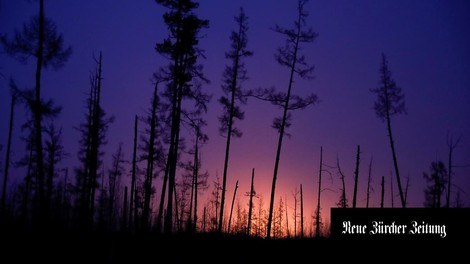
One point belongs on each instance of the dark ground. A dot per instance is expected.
(74, 247)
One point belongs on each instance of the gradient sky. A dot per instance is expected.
(427, 44)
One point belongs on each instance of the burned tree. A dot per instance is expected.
(290, 57)
(390, 101)
(233, 76)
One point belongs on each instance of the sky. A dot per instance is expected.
(426, 43)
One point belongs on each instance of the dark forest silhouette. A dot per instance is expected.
(167, 141)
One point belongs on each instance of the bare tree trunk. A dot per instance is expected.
(301, 213)
(391, 188)
(368, 183)
(133, 180)
(452, 145)
(343, 203)
(162, 197)
(38, 113)
(7, 158)
(295, 212)
(287, 220)
(204, 220)
(317, 216)
(395, 162)
(356, 176)
(124, 211)
(231, 208)
(383, 192)
(250, 210)
(150, 162)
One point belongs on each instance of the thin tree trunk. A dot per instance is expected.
(317, 217)
(356, 175)
(196, 181)
(150, 163)
(7, 158)
(282, 128)
(343, 200)
(231, 207)
(368, 183)
(383, 192)
(124, 211)
(38, 114)
(395, 162)
(391, 188)
(133, 180)
(227, 146)
(301, 213)
(287, 219)
(250, 210)
(295, 214)
(452, 145)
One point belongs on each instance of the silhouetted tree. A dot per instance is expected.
(343, 200)
(215, 203)
(452, 145)
(125, 214)
(197, 180)
(383, 193)
(437, 180)
(93, 138)
(296, 201)
(132, 208)
(232, 78)
(250, 203)
(317, 211)
(278, 231)
(38, 39)
(114, 179)
(7, 154)
(390, 101)
(369, 189)
(290, 57)
(55, 152)
(301, 213)
(287, 219)
(261, 217)
(231, 207)
(48, 110)
(152, 152)
(391, 190)
(182, 74)
(356, 175)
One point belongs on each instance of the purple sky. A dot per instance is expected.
(426, 42)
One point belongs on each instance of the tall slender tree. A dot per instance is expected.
(233, 76)
(369, 188)
(317, 211)
(41, 40)
(356, 175)
(250, 203)
(301, 213)
(114, 180)
(183, 75)
(231, 207)
(55, 152)
(93, 138)
(290, 57)
(7, 154)
(133, 178)
(390, 101)
(152, 151)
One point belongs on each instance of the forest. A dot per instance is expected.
(162, 189)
